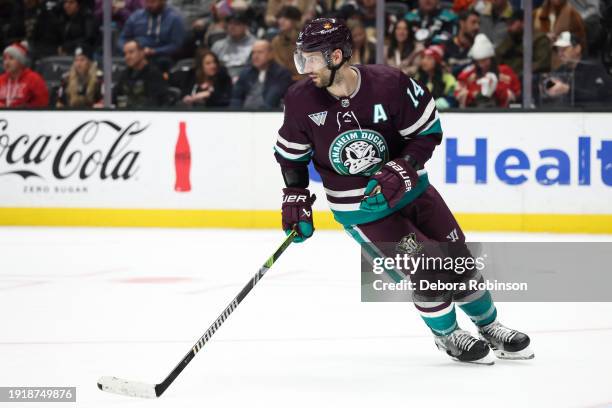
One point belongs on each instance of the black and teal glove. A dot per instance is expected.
(297, 212)
(387, 187)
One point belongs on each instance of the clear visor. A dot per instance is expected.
(306, 63)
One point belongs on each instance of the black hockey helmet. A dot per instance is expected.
(325, 35)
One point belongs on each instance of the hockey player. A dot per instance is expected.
(369, 131)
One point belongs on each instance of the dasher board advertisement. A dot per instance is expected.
(546, 168)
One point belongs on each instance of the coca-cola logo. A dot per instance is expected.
(93, 149)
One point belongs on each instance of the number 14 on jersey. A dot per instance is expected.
(415, 93)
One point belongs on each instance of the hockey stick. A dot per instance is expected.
(142, 390)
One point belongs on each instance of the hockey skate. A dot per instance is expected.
(464, 347)
(506, 343)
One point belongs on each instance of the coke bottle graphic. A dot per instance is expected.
(182, 160)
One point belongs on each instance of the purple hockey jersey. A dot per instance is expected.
(349, 139)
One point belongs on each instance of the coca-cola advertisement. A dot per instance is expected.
(62, 163)
(83, 159)
(182, 161)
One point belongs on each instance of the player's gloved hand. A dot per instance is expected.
(387, 187)
(297, 212)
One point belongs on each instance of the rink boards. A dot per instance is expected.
(503, 172)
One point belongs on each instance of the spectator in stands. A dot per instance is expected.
(591, 13)
(210, 29)
(583, 83)
(234, 50)
(11, 23)
(283, 45)
(306, 7)
(77, 26)
(401, 52)
(194, 9)
(159, 29)
(41, 29)
(431, 72)
(364, 51)
(20, 87)
(363, 11)
(510, 51)
(121, 10)
(141, 84)
(556, 16)
(432, 24)
(456, 50)
(485, 83)
(208, 84)
(264, 83)
(461, 6)
(81, 86)
(494, 19)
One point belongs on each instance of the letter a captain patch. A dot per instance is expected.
(318, 118)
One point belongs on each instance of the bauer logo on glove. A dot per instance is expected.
(295, 198)
(387, 187)
(297, 212)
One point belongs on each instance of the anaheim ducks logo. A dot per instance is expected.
(358, 152)
(327, 26)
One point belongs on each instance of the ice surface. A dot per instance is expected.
(77, 304)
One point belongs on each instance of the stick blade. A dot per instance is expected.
(125, 387)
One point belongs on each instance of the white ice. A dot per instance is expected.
(77, 304)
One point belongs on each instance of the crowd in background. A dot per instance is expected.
(239, 54)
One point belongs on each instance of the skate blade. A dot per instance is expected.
(524, 354)
(486, 360)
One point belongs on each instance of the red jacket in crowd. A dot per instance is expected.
(29, 90)
(508, 85)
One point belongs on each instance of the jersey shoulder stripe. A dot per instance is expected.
(425, 117)
(293, 145)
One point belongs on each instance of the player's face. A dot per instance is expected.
(321, 78)
(310, 63)
(317, 70)
(314, 65)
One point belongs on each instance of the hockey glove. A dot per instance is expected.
(297, 212)
(387, 187)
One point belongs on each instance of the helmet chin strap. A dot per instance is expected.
(333, 74)
(332, 68)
